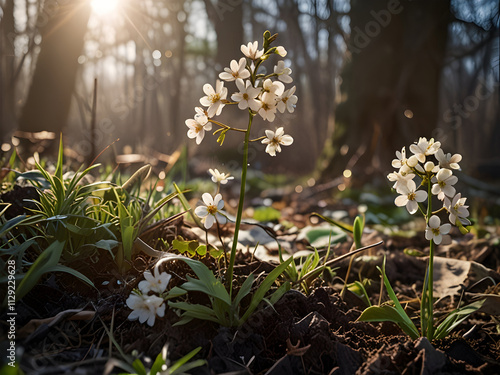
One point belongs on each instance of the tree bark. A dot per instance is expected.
(391, 84)
(63, 27)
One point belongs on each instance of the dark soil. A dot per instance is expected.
(64, 327)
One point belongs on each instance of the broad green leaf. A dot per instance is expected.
(389, 314)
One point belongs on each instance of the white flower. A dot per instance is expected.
(153, 283)
(246, 97)
(436, 232)
(145, 308)
(273, 87)
(219, 177)
(281, 51)
(210, 211)
(267, 106)
(197, 127)
(401, 159)
(287, 101)
(273, 141)
(213, 99)
(236, 70)
(442, 184)
(424, 148)
(457, 209)
(400, 179)
(447, 160)
(251, 50)
(428, 168)
(283, 72)
(409, 197)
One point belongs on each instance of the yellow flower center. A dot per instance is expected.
(215, 98)
(411, 196)
(212, 210)
(435, 231)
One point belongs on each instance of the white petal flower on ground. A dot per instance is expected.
(273, 141)
(145, 308)
(197, 127)
(267, 106)
(214, 97)
(237, 69)
(443, 182)
(220, 177)
(287, 101)
(424, 148)
(154, 283)
(251, 50)
(246, 96)
(447, 160)
(435, 231)
(210, 211)
(283, 72)
(410, 197)
(400, 179)
(457, 209)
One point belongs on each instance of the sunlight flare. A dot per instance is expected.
(104, 7)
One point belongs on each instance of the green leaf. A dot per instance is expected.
(260, 293)
(245, 289)
(346, 227)
(139, 367)
(71, 271)
(187, 207)
(389, 314)
(397, 305)
(156, 369)
(140, 175)
(358, 231)
(194, 311)
(46, 260)
(455, 318)
(176, 367)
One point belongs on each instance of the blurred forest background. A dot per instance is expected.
(371, 76)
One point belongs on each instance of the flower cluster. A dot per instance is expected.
(146, 306)
(257, 93)
(438, 175)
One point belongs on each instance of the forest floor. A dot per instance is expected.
(66, 327)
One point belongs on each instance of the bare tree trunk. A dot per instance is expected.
(227, 19)
(50, 94)
(7, 32)
(392, 82)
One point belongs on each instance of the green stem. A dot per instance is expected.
(430, 322)
(229, 278)
(429, 314)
